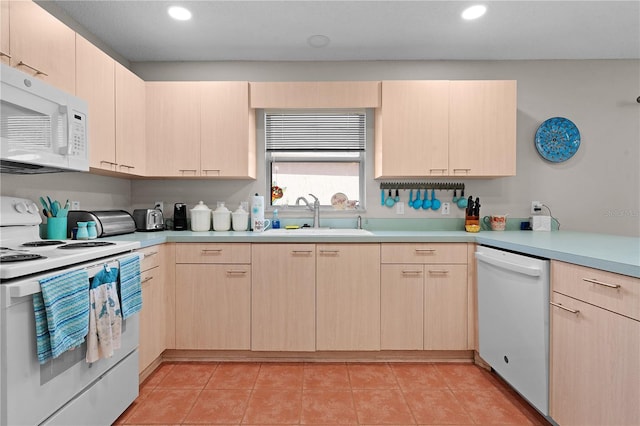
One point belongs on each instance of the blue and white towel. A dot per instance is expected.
(130, 286)
(61, 313)
(105, 317)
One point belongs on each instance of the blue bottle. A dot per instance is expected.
(275, 221)
(83, 233)
(91, 230)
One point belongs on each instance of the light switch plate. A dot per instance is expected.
(445, 208)
(400, 207)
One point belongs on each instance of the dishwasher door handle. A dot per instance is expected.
(509, 266)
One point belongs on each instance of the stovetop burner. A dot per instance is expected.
(43, 243)
(86, 244)
(20, 257)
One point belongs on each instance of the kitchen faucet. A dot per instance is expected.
(315, 208)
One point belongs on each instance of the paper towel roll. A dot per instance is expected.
(257, 213)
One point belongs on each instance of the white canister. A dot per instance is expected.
(221, 218)
(258, 222)
(240, 219)
(200, 218)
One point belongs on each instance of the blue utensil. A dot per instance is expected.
(411, 198)
(462, 202)
(417, 203)
(435, 203)
(382, 197)
(390, 200)
(426, 203)
(455, 196)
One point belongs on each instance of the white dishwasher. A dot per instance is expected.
(513, 321)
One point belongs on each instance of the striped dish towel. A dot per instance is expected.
(130, 286)
(62, 313)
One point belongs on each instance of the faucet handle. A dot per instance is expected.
(315, 199)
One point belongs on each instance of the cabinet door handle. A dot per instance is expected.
(206, 171)
(33, 68)
(329, 251)
(442, 171)
(182, 171)
(425, 250)
(558, 305)
(411, 272)
(294, 252)
(108, 162)
(128, 167)
(5, 55)
(153, 253)
(236, 272)
(465, 171)
(438, 271)
(594, 281)
(214, 251)
(149, 278)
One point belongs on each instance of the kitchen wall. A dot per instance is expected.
(598, 190)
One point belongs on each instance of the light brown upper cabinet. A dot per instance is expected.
(316, 94)
(130, 122)
(41, 45)
(446, 128)
(227, 139)
(95, 83)
(5, 48)
(200, 129)
(173, 129)
(482, 128)
(412, 129)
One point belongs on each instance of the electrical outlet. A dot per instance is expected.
(75, 205)
(400, 207)
(445, 208)
(159, 205)
(536, 207)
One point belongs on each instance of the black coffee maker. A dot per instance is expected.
(180, 217)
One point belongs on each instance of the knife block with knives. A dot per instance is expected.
(472, 214)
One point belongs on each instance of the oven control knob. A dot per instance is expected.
(21, 207)
(33, 208)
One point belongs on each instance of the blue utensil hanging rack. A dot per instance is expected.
(422, 185)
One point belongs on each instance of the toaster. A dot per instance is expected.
(148, 219)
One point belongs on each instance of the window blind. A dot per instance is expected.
(314, 131)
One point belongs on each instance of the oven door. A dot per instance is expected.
(66, 389)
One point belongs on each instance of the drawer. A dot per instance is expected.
(614, 292)
(213, 253)
(424, 253)
(151, 257)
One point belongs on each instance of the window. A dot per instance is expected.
(316, 152)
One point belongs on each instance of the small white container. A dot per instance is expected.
(240, 219)
(221, 218)
(200, 218)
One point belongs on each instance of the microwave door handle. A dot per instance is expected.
(63, 111)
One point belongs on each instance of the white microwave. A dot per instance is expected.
(42, 128)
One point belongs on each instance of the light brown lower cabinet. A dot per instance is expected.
(283, 297)
(424, 302)
(348, 297)
(153, 317)
(595, 352)
(213, 300)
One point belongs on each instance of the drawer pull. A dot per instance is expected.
(236, 272)
(33, 68)
(146, 279)
(329, 251)
(301, 251)
(411, 272)
(425, 250)
(438, 271)
(558, 305)
(591, 280)
(214, 251)
(153, 253)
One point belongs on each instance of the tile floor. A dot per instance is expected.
(326, 394)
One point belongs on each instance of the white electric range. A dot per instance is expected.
(65, 390)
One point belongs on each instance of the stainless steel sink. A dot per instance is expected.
(330, 232)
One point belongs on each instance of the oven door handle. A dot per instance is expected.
(26, 288)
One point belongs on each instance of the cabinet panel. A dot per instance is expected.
(227, 144)
(151, 257)
(316, 94)
(95, 83)
(5, 48)
(482, 128)
(213, 305)
(173, 129)
(130, 122)
(348, 292)
(424, 253)
(595, 365)
(283, 297)
(152, 318)
(615, 292)
(412, 129)
(41, 45)
(401, 307)
(445, 307)
(213, 253)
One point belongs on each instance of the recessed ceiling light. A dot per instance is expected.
(179, 13)
(474, 12)
(318, 40)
